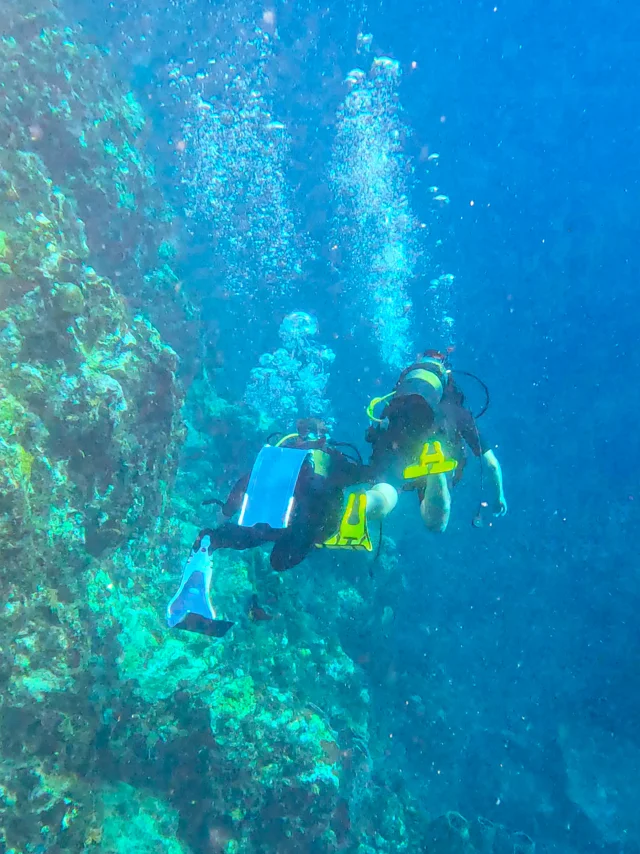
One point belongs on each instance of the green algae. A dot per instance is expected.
(41, 681)
(138, 823)
(156, 661)
(25, 462)
(232, 700)
(13, 415)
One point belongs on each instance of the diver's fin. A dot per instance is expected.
(432, 461)
(353, 532)
(191, 607)
(203, 626)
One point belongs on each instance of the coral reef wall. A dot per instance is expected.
(90, 427)
(65, 123)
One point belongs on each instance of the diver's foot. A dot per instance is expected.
(206, 532)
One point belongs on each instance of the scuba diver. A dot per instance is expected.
(424, 414)
(292, 497)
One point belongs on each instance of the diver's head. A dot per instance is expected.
(312, 429)
(438, 362)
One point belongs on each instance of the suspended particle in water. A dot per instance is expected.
(269, 20)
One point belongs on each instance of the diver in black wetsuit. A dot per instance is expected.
(317, 501)
(293, 497)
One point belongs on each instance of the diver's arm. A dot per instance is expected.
(234, 501)
(468, 429)
(499, 505)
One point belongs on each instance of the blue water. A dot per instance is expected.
(527, 630)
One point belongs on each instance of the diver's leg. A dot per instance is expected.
(232, 536)
(313, 515)
(435, 506)
(292, 547)
(381, 500)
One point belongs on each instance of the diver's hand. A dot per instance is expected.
(499, 507)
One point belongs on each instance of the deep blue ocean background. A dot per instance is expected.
(531, 625)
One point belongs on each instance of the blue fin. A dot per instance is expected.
(191, 607)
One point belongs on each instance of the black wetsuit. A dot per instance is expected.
(412, 422)
(316, 511)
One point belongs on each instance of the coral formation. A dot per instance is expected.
(98, 697)
(72, 148)
(90, 415)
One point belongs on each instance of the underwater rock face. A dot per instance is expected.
(90, 423)
(89, 420)
(72, 139)
(90, 429)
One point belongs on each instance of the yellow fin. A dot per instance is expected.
(432, 461)
(353, 533)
